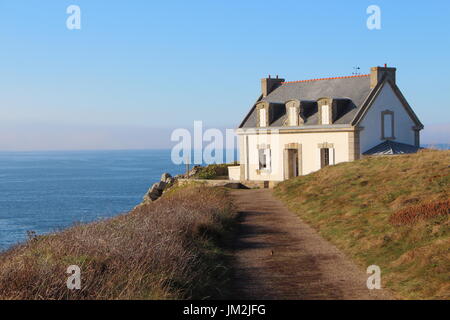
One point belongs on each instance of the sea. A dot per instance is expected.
(45, 192)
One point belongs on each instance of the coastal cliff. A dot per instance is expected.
(172, 248)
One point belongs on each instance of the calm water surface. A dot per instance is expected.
(47, 191)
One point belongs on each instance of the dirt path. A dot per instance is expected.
(278, 256)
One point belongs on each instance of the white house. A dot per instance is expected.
(298, 127)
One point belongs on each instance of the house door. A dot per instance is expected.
(292, 163)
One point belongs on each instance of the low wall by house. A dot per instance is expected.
(234, 173)
(221, 183)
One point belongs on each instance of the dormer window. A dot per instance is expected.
(262, 114)
(325, 109)
(325, 113)
(293, 113)
(293, 116)
(262, 117)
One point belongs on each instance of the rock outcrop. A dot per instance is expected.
(167, 179)
(194, 171)
(166, 182)
(159, 188)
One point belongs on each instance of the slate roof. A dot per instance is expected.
(391, 147)
(351, 91)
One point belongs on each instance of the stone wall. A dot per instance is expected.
(222, 183)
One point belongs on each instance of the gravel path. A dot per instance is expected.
(278, 256)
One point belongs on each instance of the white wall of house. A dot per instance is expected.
(371, 135)
(310, 155)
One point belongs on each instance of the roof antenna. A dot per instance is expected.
(356, 71)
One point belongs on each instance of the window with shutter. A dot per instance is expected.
(324, 157)
(264, 159)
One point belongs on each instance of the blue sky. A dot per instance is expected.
(137, 69)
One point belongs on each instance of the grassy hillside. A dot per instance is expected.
(168, 249)
(388, 211)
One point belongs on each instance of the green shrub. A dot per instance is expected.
(213, 171)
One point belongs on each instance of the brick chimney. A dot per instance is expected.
(378, 74)
(269, 84)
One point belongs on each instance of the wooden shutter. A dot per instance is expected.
(322, 157)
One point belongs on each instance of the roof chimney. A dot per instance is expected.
(269, 84)
(378, 74)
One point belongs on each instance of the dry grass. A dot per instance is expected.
(169, 249)
(425, 211)
(352, 204)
